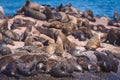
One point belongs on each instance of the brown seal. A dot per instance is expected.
(94, 42)
(113, 37)
(89, 15)
(67, 45)
(54, 24)
(68, 28)
(106, 62)
(26, 32)
(34, 14)
(116, 17)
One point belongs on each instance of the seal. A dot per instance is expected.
(116, 17)
(26, 33)
(89, 15)
(27, 64)
(4, 50)
(93, 43)
(67, 45)
(65, 68)
(34, 14)
(12, 35)
(8, 66)
(113, 37)
(68, 28)
(49, 14)
(54, 24)
(106, 62)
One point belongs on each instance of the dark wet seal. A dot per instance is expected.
(28, 64)
(45, 67)
(4, 50)
(7, 40)
(11, 70)
(113, 37)
(79, 35)
(113, 23)
(26, 69)
(86, 31)
(34, 14)
(87, 64)
(48, 13)
(106, 62)
(4, 62)
(60, 70)
(76, 52)
(99, 28)
(17, 23)
(116, 20)
(65, 69)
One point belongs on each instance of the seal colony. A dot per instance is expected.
(40, 39)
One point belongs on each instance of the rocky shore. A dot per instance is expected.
(41, 42)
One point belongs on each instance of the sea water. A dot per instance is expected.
(99, 7)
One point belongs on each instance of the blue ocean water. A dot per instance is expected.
(99, 7)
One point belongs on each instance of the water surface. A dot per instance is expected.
(99, 7)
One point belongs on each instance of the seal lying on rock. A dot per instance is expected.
(89, 15)
(65, 69)
(9, 33)
(4, 50)
(34, 14)
(82, 33)
(113, 37)
(27, 64)
(54, 24)
(12, 35)
(87, 64)
(67, 45)
(8, 66)
(106, 62)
